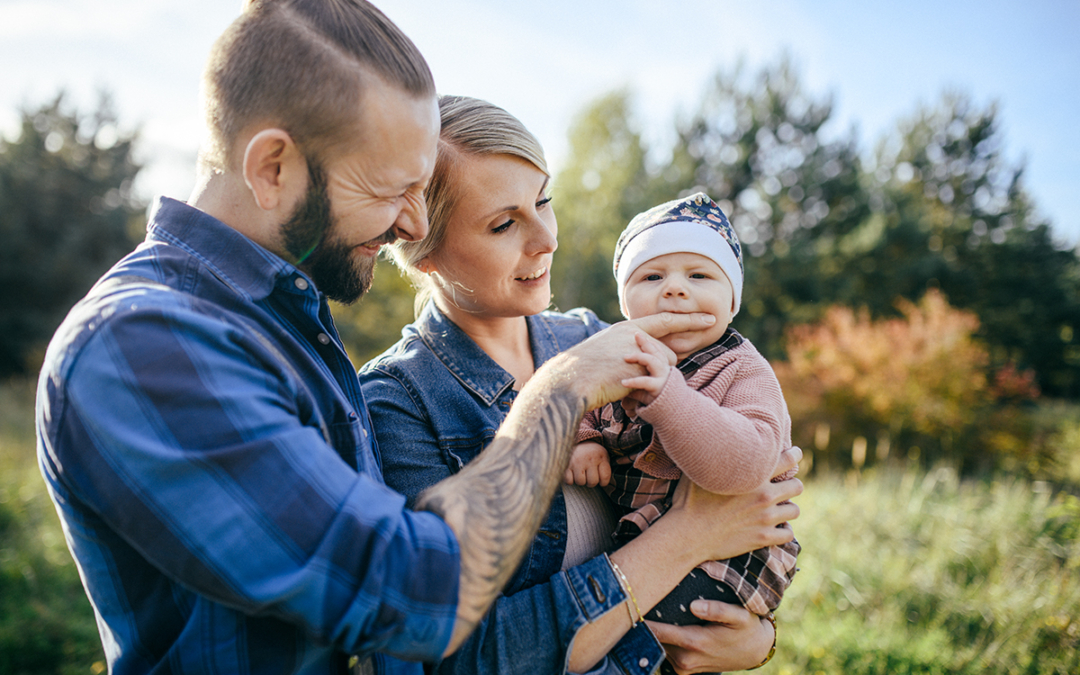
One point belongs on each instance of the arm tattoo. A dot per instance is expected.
(496, 504)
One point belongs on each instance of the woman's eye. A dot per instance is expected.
(543, 202)
(502, 228)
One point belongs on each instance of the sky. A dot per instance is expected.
(545, 61)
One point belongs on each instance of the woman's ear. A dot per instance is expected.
(274, 169)
(425, 265)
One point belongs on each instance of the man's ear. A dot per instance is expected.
(274, 169)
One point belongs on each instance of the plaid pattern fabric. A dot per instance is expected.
(758, 578)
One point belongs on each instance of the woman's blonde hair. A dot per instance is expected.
(474, 127)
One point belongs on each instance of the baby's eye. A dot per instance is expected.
(699, 275)
(651, 277)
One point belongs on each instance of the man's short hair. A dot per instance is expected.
(298, 65)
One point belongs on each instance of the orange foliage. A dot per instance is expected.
(922, 373)
(917, 385)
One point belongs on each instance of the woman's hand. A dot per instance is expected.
(724, 526)
(734, 639)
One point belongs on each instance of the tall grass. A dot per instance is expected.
(912, 572)
(46, 623)
(902, 571)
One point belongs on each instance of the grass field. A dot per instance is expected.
(902, 571)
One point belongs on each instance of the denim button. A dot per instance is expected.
(301, 283)
(596, 590)
(323, 338)
(643, 663)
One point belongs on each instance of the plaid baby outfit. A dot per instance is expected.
(729, 374)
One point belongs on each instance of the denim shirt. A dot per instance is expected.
(436, 400)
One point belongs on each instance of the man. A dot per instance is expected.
(200, 427)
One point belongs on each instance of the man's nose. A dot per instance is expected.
(412, 221)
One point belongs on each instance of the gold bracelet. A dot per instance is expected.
(772, 650)
(629, 591)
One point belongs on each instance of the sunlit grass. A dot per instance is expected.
(912, 572)
(46, 623)
(902, 571)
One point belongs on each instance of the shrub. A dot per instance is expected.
(918, 384)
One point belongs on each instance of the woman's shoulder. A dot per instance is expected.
(401, 357)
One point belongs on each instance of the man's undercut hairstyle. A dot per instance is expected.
(299, 65)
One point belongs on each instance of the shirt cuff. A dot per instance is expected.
(597, 590)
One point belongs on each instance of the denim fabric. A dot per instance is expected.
(206, 442)
(436, 400)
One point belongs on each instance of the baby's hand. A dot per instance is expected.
(589, 465)
(646, 387)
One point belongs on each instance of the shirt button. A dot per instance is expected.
(323, 338)
(301, 283)
(650, 456)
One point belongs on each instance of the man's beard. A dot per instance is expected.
(311, 237)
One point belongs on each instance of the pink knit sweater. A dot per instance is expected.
(725, 426)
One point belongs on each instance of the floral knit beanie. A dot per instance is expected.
(694, 224)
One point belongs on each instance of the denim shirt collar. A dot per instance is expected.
(470, 364)
(245, 266)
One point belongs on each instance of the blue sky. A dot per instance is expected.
(544, 61)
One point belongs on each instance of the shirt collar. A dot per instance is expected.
(470, 364)
(249, 268)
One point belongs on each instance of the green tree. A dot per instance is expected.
(758, 145)
(66, 214)
(603, 185)
(951, 213)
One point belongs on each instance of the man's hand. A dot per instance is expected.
(600, 364)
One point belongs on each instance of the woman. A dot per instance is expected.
(483, 280)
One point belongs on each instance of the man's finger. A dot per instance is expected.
(665, 323)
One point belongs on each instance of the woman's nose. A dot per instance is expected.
(544, 237)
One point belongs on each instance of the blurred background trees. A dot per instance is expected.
(67, 212)
(916, 307)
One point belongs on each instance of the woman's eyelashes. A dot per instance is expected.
(505, 226)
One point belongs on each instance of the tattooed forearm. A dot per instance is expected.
(496, 504)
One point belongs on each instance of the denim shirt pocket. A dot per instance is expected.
(457, 452)
(350, 442)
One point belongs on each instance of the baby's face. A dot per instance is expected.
(681, 283)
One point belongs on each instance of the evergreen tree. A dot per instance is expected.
(952, 213)
(603, 185)
(757, 146)
(66, 214)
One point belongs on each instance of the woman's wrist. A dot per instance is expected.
(772, 650)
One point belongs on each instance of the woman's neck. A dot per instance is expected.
(504, 339)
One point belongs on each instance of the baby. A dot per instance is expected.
(718, 416)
